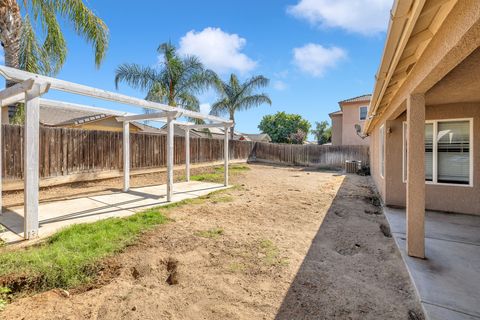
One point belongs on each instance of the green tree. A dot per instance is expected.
(237, 96)
(45, 53)
(175, 83)
(285, 128)
(322, 132)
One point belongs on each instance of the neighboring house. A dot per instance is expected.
(83, 119)
(260, 137)
(352, 111)
(424, 118)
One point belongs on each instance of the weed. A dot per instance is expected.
(211, 233)
(271, 253)
(4, 294)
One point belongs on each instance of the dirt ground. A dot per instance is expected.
(288, 243)
(84, 188)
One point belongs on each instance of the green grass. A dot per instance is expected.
(70, 257)
(217, 175)
(211, 233)
(73, 256)
(271, 253)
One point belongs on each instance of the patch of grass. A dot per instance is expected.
(217, 174)
(271, 253)
(237, 267)
(70, 257)
(211, 233)
(4, 293)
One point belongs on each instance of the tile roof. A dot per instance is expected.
(365, 97)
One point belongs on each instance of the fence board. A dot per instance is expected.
(310, 155)
(67, 151)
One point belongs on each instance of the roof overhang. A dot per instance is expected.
(412, 25)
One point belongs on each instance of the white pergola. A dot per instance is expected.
(29, 89)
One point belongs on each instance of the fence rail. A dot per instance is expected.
(310, 155)
(66, 152)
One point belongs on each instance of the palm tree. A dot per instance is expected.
(176, 81)
(20, 20)
(236, 96)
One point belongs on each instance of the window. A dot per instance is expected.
(448, 156)
(382, 150)
(363, 113)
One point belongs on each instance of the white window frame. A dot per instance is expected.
(435, 153)
(360, 113)
(381, 150)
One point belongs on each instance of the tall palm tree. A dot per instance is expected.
(175, 82)
(236, 96)
(23, 49)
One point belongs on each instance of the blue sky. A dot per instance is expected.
(316, 52)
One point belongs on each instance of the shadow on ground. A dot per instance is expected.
(352, 269)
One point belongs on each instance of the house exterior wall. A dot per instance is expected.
(337, 120)
(5, 115)
(449, 198)
(108, 124)
(351, 116)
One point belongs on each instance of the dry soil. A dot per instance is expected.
(287, 243)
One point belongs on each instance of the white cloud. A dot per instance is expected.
(218, 50)
(315, 59)
(205, 108)
(361, 16)
(279, 85)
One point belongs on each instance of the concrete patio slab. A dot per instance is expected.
(60, 214)
(448, 280)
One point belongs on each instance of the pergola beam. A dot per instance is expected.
(151, 116)
(76, 106)
(13, 74)
(208, 125)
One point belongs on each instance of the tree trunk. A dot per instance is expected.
(232, 129)
(10, 33)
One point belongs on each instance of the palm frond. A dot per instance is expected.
(85, 23)
(32, 57)
(136, 76)
(254, 101)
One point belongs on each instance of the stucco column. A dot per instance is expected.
(416, 176)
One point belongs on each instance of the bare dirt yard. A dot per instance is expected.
(286, 243)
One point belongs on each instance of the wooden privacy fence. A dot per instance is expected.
(310, 155)
(65, 151)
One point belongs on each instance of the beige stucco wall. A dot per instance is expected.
(107, 124)
(351, 116)
(337, 120)
(463, 199)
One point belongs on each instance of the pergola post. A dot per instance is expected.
(187, 154)
(31, 160)
(226, 155)
(126, 156)
(1, 154)
(416, 175)
(170, 136)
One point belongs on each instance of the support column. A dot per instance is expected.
(187, 154)
(31, 161)
(1, 154)
(126, 156)
(170, 137)
(416, 176)
(225, 156)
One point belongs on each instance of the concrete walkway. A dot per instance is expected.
(448, 280)
(59, 214)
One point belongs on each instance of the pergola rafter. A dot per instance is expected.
(31, 87)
